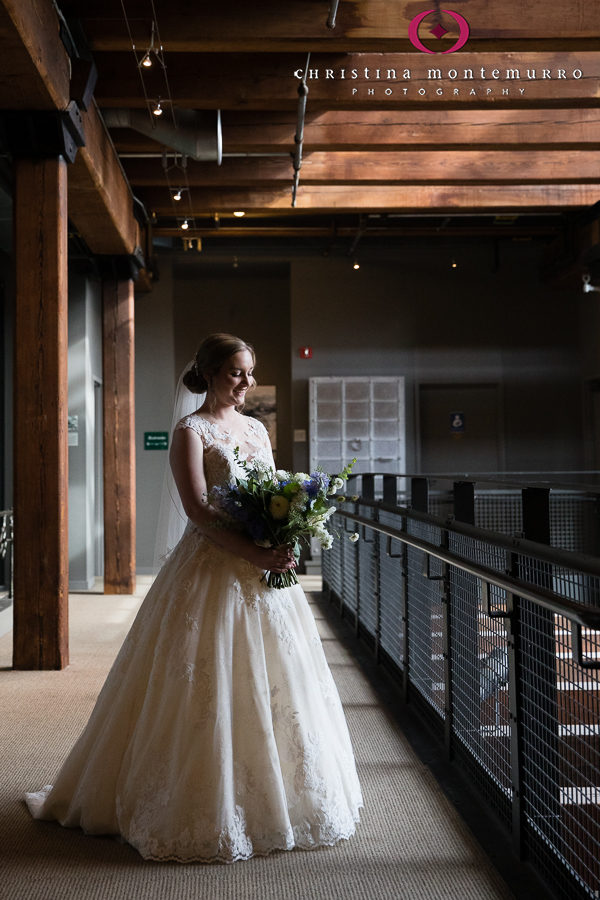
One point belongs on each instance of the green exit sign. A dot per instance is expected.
(156, 440)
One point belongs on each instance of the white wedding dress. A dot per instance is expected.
(219, 733)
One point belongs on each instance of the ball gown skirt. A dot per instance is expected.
(219, 732)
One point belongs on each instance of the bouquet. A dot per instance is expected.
(280, 507)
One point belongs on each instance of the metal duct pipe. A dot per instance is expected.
(197, 134)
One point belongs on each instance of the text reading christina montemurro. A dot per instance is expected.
(437, 74)
(480, 81)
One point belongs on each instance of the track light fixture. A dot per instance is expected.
(177, 194)
(356, 264)
(158, 110)
(147, 61)
(185, 225)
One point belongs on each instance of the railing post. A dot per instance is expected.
(390, 490)
(368, 486)
(419, 494)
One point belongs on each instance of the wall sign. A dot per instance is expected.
(457, 423)
(156, 440)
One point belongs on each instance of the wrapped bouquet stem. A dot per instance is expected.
(281, 508)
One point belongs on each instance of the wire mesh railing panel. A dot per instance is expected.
(513, 685)
(425, 618)
(480, 708)
(499, 511)
(560, 765)
(574, 523)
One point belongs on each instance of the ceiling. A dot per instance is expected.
(390, 153)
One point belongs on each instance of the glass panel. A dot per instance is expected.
(329, 449)
(385, 449)
(357, 390)
(385, 410)
(385, 390)
(356, 429)
(388, 428)
(356, 410)
(357, 448)
(327, 429)
(329, 390)
(329, 411)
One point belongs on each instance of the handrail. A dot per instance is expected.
(503, 479)
(588, 616)
(589, 565)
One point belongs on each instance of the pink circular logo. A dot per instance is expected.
(439, 31)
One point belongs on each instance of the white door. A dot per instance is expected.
(356, 416)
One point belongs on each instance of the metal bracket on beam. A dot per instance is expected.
(40, 134)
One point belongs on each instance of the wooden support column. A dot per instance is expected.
(119, 436)
(40, 423)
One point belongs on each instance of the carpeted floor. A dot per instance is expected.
(411, 843)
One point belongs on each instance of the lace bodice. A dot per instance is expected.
(219, 443)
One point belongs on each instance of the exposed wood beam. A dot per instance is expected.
(267, 81)
(35, 69)
(415, 198)
(376, 25)
(379, 130)
(412, 129)
(40, 397)
(100, 199)
(391, 168)
(118, 391)
(336, 231)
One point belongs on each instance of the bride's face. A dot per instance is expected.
(233, 379)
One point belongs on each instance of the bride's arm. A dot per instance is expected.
(187, 463)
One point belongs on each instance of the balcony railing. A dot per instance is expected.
(495, 639)
(6, 546)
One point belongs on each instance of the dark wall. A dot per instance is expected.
(251, 301)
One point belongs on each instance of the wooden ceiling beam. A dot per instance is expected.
(391, 81)
(378, 130)
(339, 130)
(100, 199)
(425, 199)
(377, 168)
(35, 68)
(361, 25)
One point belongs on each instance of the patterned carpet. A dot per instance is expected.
(411, 843)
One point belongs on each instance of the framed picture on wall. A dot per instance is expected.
(261, 404)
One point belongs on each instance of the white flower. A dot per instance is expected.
(301, 476)
(326, 540)
(335, 485)
(353, 537)
(282, 475)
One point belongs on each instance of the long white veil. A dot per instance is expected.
(172, 519)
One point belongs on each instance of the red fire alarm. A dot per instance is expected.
(306, 352)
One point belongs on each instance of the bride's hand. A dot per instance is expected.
(274, 559)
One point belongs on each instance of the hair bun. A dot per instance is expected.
(195, 382)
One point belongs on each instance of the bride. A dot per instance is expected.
(219, 733)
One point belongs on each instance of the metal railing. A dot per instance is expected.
(6, 545)
(496, 641)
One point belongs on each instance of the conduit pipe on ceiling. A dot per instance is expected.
(197, 135)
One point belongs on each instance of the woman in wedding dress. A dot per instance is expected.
(219, 733)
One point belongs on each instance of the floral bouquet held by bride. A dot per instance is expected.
(281, 508)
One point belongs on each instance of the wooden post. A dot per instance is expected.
(40, 424)
(119, 436)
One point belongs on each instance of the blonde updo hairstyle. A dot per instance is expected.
(213, 353)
